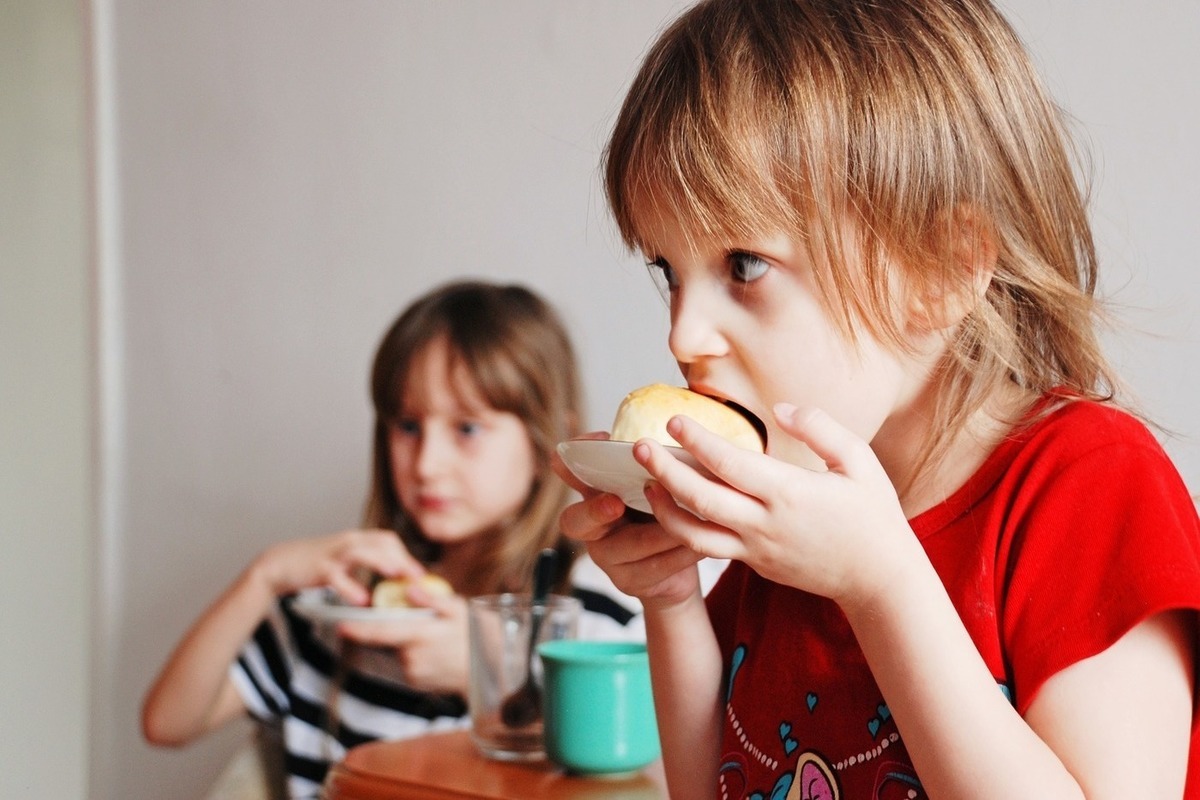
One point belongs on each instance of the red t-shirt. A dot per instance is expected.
(1073, 531)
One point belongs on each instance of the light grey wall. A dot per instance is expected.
(1126, 74)
(274, 180)
(45, 380)
(291, 174)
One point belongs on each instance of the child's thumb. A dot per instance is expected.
(829, 441)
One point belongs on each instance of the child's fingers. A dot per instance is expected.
(592, 518)
(347, 588)
(716, 454)
(700, 537)
(751, 474)
(632, 542)
(443, 605)
(723, 499)
(654, 569)
(841, 449)
(382, 552)
(345, 561)
(396, 634)
(640, 555)
(378, 634)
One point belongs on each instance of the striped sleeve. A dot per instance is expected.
(262, 672)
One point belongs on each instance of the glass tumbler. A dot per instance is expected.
(502, 659)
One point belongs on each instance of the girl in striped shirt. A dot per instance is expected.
(473, 386)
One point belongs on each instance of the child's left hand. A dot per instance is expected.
(836, 533)
(432, 650)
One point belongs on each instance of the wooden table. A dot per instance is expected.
(446, 766)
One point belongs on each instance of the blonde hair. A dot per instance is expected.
(890, 123)
(517, 351)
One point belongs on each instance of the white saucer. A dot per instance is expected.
(323, 605)
(608, 466)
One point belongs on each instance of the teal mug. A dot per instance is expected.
(598, 707)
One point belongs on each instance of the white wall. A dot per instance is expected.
(276, 179)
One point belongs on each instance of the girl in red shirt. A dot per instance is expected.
(962, 570)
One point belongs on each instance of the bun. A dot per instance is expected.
(644, 414)
(393, 592)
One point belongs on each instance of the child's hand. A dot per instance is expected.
(333, 561)
(640, 558)
(432, 651)
(829, 533)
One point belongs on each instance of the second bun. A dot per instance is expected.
(393, 592)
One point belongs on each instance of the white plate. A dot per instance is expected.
(323, 605)
(608, 466)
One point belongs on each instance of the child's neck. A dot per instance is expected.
(937, 481)
(459, 561)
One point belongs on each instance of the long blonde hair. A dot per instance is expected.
(519, 355)
(901, 118)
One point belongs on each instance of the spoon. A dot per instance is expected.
(525, 704)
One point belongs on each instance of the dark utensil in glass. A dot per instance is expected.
(524, 706)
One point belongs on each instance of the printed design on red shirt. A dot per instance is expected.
(811, 775)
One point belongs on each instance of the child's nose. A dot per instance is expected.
(431, 453)
(695, 329)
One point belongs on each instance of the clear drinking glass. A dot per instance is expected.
(500, 626)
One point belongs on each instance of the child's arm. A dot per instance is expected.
(1112, 726)
(194, 693)
(1130, 704)
(685, 672)
(685, 663)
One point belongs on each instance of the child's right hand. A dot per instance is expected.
(332, 561)
(639, 557)
(194, 692)
(839, 533)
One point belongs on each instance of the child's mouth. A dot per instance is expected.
(751, 417)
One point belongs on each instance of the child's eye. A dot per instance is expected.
(747, 267)
(469, 428)
(663, 274)
(407, 427)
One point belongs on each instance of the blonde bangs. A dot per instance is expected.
(695, 170)
(736, 129)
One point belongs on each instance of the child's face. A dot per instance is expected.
(461, 467)
(748, 324)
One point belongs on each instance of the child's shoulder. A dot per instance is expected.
(1098, 447)
(1076, 425)
(1064, 435)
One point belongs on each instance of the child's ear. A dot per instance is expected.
(970, 250)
